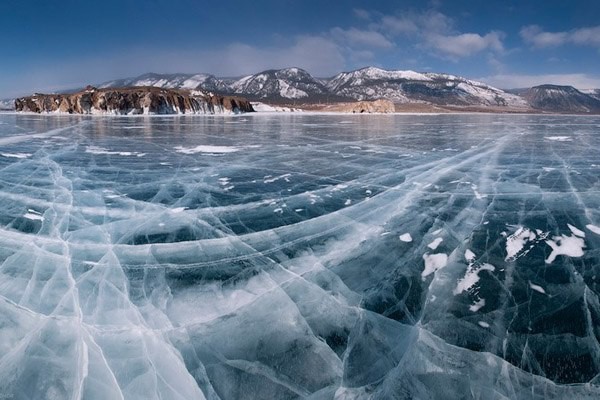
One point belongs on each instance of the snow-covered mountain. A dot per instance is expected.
(371, 83)
(206, 82)
(595, 93)
(410, 86)
(556, 98)
(288, 83)
(7, 105)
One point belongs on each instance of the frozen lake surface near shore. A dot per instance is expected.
(300, 256)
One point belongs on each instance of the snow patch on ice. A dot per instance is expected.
(559, 138)
(434, 245)
(469, 255)
(471, 277)
(433, 262)
(571, 246)
(16, 155)
(206, 149)
(594, 228)
(405, 237)
(33, 215)
(517, 241)
(576, 232)
(537, 288)
(478, 305)
(101, 150)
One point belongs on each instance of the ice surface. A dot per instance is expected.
(292, 256)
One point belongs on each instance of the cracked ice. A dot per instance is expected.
(299, 256)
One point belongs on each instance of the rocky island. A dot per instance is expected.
(133, 100)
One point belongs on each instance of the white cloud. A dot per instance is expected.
(396, 26)
(535, 36)
(361, 38)
(362, 14)
(511, 81)
(316, 54)
(435, 22)
(319, 55)
(465, 44)
(435, 31)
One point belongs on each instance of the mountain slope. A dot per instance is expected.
(288, 83)
(409, 86)
(556, 98)
(595, 93)
(7, 105)
(206, 82)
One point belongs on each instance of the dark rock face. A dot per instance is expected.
(135, 100)
(556, 98)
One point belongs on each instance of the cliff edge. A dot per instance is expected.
(133, 100)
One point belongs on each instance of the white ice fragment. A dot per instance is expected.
(368, 192)
(483, 324)
(469, 255)
(537, 288)
(576, 231)
(436, 232)
(299, 209)
(559, 138)
(278, 210)
(479, 304)
(571, 246)
(548, 169)
(433, 262)
(405, 237)
(348, 202)
(471, 278)
(434, 245)
(206, 149)
(177, 210)
(593, 228)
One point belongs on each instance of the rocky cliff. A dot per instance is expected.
(360, 107)
(133, 100)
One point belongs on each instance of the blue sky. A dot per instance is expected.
(48, 46)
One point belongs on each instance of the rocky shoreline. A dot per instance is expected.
(132, 101)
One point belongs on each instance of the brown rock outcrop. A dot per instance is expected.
(134, 100)
(359, 107)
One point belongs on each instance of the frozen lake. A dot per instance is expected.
(300, 256)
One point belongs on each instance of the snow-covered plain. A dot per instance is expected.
(284, 256)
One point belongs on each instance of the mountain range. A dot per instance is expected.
(295, 86)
